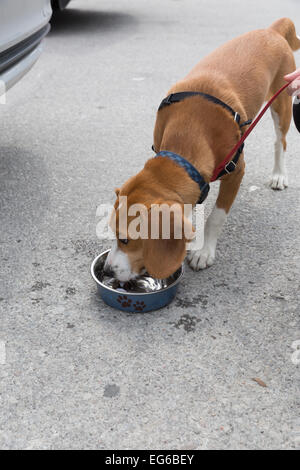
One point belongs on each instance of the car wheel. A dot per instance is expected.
(59, 4)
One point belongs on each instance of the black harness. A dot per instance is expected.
(230, 166)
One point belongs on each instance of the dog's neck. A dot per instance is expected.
(169, 181)
(176, 178)
(202, 135)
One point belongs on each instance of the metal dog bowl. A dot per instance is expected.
(139, 295)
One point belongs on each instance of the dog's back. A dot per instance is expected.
(245, 69)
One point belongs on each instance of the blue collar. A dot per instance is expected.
(191, 170)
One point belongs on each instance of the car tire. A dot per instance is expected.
(59, 4)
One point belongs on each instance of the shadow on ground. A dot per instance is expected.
(72, 21)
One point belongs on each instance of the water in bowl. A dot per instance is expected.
(142, 284)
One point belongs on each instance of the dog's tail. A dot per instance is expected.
(286, 28)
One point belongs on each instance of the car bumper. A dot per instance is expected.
(16, 61)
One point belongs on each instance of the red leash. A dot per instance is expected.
(244, 137)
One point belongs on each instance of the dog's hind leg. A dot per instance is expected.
(203, 258)
(281, 113)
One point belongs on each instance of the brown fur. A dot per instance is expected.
(244, 73)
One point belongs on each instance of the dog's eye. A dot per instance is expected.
(124, 241)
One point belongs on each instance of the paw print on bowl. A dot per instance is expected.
(124, 301)
(139, 305)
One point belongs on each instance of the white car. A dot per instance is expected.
(23, 25)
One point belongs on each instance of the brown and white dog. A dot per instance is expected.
(243, 73)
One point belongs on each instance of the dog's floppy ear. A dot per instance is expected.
(165, 248)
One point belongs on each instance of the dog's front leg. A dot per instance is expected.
(203, 258)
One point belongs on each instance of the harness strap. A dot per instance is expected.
(228, 165)
(231, 165)
(236, 148)
(191, 170)
(177, 97)
(246, 123)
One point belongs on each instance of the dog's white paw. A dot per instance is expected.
(201, 259)
(279, 181)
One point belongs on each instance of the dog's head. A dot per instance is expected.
(151, 231)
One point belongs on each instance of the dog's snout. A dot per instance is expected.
(108, 271)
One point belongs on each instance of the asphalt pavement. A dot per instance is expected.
(73, 372)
